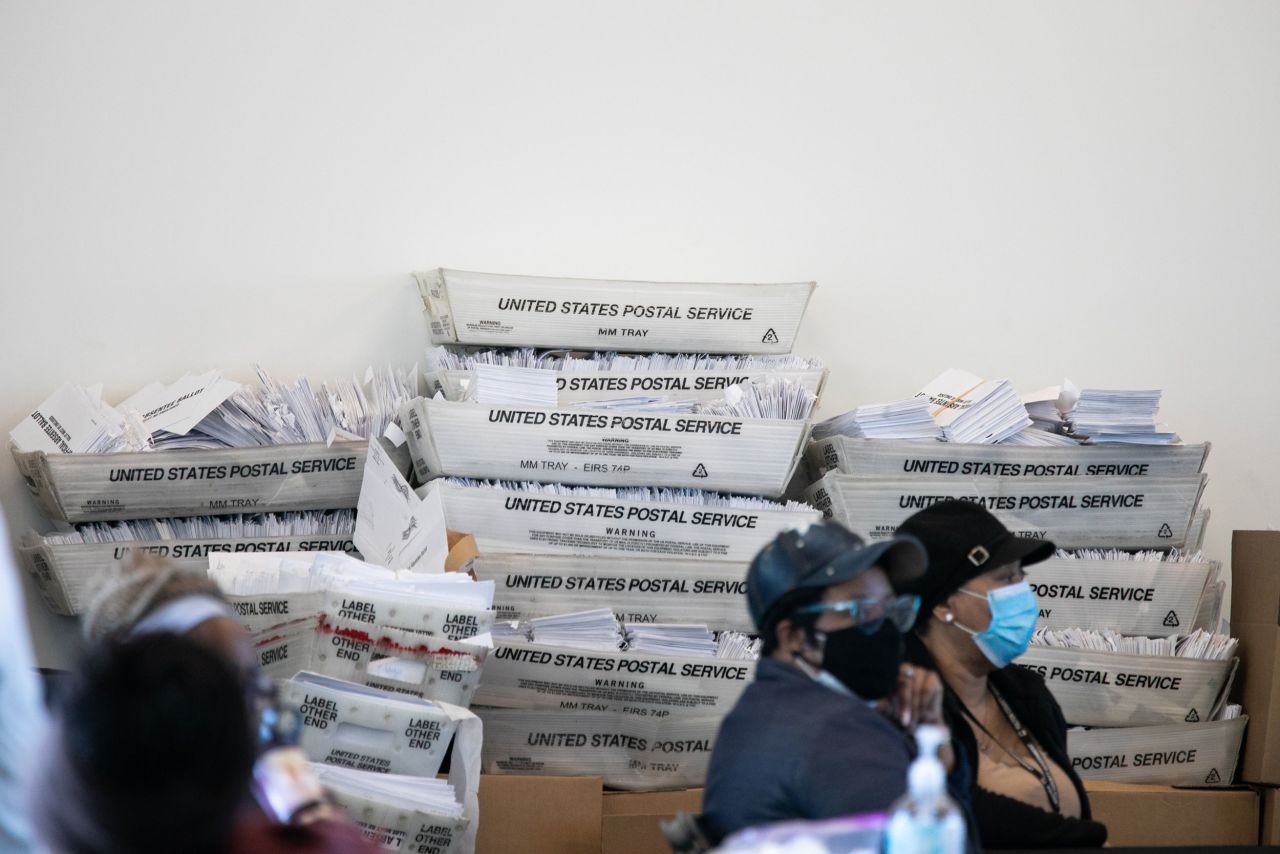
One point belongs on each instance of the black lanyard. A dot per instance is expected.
(1042, 774)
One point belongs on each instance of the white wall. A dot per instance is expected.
(1028, 190)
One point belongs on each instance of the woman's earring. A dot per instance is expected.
(949, 618)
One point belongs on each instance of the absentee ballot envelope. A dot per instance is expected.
(398, 812)
(394, 527)
(1115, 689)
(1073, 512)
(399, 660)
(1132, 597)
(628, 752)
(662, 386)
(1201, 754)
(638, 589)
(754, 456)
(354, 726)
(602, 314)
(900, 458)
(532, 675)
(503, 520)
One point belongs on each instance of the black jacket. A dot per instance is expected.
(1005, 822)
(794, 749)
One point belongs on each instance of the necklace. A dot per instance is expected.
(1041, 771)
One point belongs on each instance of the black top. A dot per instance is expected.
(1004, 822)
(792, 748)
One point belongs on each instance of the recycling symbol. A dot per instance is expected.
(770, 337)
(700, 471)
(1165, 532)
(1171, 619)
(1193, 717)
(1213, 776)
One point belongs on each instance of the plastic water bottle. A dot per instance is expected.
(925, 820)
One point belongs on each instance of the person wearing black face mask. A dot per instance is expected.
(823, 730)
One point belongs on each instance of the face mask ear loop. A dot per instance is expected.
(984, 597)
(950, 620)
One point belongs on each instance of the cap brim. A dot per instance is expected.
(903, 559)
(1021, 550)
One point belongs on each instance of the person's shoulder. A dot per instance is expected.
(852, 716)
(1021, 680)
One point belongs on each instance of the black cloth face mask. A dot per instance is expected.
(867, 664)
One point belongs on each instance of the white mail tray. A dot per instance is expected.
(751, 456)
(1203, 754)
(195, 482)
(63, 572)
(603, 314)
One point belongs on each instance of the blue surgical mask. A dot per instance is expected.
(1013, 621)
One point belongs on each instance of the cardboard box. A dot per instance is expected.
(539, 815)
(1270, 817)
(1255, 574)
(630, 819)
(1138, 814)
(1255, 620)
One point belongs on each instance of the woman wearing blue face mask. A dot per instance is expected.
(977, 614)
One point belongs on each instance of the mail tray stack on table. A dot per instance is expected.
(1122, 504)
(619, 462)
(291, 484)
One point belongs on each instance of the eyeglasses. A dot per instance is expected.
(869, 614)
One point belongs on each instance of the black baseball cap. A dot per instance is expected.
(823, 554)
(964, 540)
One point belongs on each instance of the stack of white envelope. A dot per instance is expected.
(671, 639)
(1120, 415)
(904, 419)
(397, 811)
(381, 752)
(209, 411)
(670, 382)
(971, 409)
(198, 466)
(1035, 437)
(596, 629)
